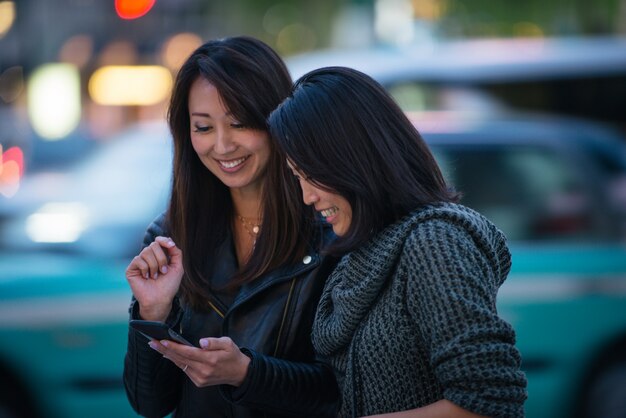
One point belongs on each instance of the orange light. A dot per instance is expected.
(133, 9)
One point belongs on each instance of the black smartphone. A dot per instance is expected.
(158, 331)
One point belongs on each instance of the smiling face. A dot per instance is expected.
(234, 153)
(334, 208)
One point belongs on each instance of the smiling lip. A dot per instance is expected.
(231, 166)
(329, 213)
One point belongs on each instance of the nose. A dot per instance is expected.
(309, 193)
(223, 142)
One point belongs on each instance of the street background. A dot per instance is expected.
(524, 105)
(87, 35)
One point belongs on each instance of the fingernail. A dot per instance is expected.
(165, 343)
(170, 243)
(155, 275)
(164, 269)
(204, 343)
(152, 345)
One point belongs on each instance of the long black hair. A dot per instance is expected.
(251, 80)
(342, 130)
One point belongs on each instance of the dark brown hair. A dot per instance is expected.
(346, 134)
(251, 80)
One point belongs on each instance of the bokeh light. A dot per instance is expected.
(393, 21)
(54, 105)
(11, 170)
(57, 222)
(11, 83)
(133, 9)
(429, 9)
(177, 48)
(118, 53)
(130, 85)
(77, 50)
(295, 37)
(278, 16)
(527, 30)
(7, 16)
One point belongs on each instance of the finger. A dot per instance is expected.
(160, 256)
(180, 364)
(149, 256)
(222, 343)
(174, 253)
(167, 349)
(137, 267)
(165, 242)
(178, 352)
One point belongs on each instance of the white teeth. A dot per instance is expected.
(233, 163)
(329, 212)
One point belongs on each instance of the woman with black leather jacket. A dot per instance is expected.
(233, 265)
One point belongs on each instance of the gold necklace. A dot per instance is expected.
(251, 228)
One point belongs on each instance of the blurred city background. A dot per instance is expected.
(523, 104)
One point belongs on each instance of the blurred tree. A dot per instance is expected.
(479, 18)
(288, 25)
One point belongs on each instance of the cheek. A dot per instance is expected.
(199, 146)
(258, 142)
(347, 211)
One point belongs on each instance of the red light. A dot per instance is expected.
(11, 170)
(14, 154)
(133, 9)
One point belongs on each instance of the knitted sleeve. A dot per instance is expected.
(451, 291)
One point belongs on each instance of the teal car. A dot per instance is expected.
(62, 336)
(556, 187)
(65, 241)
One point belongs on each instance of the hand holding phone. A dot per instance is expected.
(158, 331)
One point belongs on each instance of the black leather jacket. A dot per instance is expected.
(270, 319)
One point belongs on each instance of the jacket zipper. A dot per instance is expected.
(282, 322)
(220, 313)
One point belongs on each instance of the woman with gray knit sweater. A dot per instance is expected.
(408, 317)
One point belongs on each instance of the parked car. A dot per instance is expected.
(556, 187)
(65, 242)
(576, 76)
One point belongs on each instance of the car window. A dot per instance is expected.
(531, 193)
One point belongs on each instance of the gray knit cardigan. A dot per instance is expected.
(410, 318)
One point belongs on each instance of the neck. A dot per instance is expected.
(247, 204)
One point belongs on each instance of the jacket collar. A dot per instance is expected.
(308, 263)
(284, 273)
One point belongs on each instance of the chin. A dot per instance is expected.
(339, 232)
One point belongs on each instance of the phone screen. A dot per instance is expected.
(158, 331)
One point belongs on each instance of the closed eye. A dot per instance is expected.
(202, 128)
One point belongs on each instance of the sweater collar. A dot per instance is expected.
(354, 285)
(357, 281)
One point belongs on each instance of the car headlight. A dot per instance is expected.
(57, 222)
